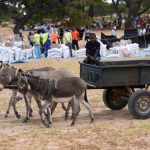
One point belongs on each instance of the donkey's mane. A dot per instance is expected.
(45, 87)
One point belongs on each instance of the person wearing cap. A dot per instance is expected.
(36, 40)
(68, 40)
(92, 50)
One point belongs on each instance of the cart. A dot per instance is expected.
(125, 82)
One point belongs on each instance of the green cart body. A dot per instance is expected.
(121, 79)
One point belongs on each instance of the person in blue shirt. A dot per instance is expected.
(92, 50)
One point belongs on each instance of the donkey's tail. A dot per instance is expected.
(85, 96)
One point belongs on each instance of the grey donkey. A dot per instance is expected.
(8, 77)
(62, 90)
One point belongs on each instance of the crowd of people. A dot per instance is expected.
(42, 39)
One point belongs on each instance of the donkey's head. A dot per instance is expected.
(22, 84)
(7, 75)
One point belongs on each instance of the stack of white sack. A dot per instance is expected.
(80, 53)
(18, 43)
(28, 53)
(133, 48)
(19, 54)
(103, 49)
(6, 54)
(55, 53)
(9, 54)
(65, 51)
(125, 51)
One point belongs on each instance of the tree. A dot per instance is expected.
(24, 12)
(134, 8)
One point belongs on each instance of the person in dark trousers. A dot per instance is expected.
(61, 34)
(75, 38)
(92, 50)
(30, 38)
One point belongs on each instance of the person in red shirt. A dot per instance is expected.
(75, 38)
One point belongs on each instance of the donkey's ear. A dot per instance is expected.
(1, 64)
(20, 70)
(13, 67)
(6, 65)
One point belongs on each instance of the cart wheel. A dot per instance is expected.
(115, 99)
(139, 104)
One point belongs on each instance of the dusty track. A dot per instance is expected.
(115, 130)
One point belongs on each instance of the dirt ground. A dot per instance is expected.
(115, 130)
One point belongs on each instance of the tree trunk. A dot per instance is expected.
(18, 26)
(91, 11)
(133, 9)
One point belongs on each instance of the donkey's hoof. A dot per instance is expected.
(71, 118)
(47, 125)
(72, 124)
(18, 116)
(6, 115)
(25, 120)
(92, 120)
(31, 115)
(66, 117)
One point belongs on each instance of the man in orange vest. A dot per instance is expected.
(75, 38)
(54, 37)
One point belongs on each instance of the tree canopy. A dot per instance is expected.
(71, 12)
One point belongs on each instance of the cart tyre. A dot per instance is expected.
(107, 99)
(139, 104)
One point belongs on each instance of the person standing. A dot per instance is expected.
(30, 38)
(75, 38)
(92, 51)
(36, 40)
(46, 42)
(61, 34)
(68, 40)
(87, 33)
(54, 37)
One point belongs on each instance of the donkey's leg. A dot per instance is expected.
(75, 109)
(9, 105)
(53, 106)
(28, 107)
(48, 115)
(64, 107)
(41, 112)
(88, 107)
(67, 110)
(11, 101)
(31, 110)
(14, 107)
(38, 101)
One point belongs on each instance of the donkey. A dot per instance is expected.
(58, 91)
(8, 77)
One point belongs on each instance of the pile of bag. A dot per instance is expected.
(125, 50)
(9, 54)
